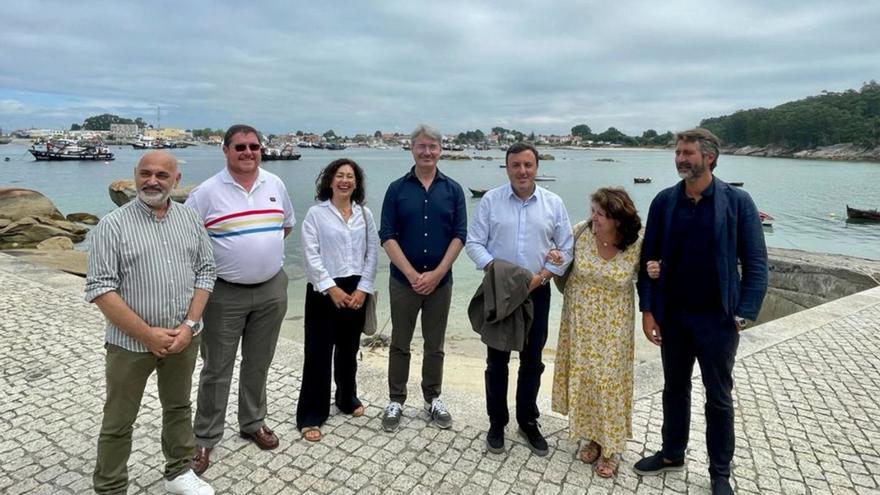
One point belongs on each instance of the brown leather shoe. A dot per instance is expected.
(201, 460)
(264, 438)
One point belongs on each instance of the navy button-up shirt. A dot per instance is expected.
(423, 222)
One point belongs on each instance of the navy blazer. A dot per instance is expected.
(739, 238)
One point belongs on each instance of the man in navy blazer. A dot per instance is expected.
(700, 231)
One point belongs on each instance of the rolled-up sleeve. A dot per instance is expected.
(205, 266)
(311, 245)
(389, 215)
(460, 229)
(102, 273)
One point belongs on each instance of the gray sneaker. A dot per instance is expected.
(439, 415)
(391, 416)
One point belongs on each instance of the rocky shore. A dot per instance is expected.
(842, 151)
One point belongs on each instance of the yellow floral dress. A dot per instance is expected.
(593, 377)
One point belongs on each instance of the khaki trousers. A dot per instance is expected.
(126, 375)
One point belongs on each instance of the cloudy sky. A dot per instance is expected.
(541, 66)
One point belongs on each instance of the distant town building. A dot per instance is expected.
(168, 133)
(124, 130)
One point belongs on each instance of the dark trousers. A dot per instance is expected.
(530, 369)
(126, 375)
(711, 339)
(405, 307)
(235, 313)
(332, 335)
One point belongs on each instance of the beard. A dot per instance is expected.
(154, 198)
(693, 172)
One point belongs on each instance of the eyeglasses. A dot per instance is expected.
(427, 147)
(252, 146)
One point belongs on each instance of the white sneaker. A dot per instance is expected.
(188, 484)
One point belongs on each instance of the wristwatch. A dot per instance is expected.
(193, 325)
(742, 322)
(544, 279)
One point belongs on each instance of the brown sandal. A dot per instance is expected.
(590, 453)
(312, 433)
(607, 466)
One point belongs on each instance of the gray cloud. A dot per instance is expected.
(355, 67)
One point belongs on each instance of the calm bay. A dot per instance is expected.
(806, 197)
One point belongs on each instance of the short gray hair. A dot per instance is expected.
(709, 143)
(427, 131)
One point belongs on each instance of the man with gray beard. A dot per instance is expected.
(150, 272)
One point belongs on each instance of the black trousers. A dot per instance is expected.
(331, 335)
(530, 368)
(710, 338)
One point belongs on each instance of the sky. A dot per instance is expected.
(361, 66)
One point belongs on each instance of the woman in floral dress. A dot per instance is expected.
(593, 378)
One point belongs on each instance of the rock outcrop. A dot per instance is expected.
(123, 191)
(86, 218)
(17, 203)
(56, 244)
(842, 151)
(28, 218)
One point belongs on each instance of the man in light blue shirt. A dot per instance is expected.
(520, 223)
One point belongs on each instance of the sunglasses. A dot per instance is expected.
(252, 146)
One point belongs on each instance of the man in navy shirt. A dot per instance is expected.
(701, 229)
(424, 227)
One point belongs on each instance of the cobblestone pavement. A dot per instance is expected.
(808, 421)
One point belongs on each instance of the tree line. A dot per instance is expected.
(852, 116)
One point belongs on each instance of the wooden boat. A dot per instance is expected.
(857, 214)
(736, 184)
(642, 180)
(544, 178)
(766, 219)
(477, 193)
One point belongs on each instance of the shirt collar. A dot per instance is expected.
(227, 178)
(513, 195)
(707, 193)
(411, 175)
(149, 209)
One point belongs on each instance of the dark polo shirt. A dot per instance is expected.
(423, 222)
(693, 277)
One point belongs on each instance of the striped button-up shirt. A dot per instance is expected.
(154, 265)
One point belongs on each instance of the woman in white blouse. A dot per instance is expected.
(340, 243)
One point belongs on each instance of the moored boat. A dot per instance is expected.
(736, 184)
(67, 151)
(857, 214)
(766, 219)
(286, 153)
(642, 180)
(544, 178)
(477, 193)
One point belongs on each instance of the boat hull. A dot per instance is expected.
(857, 214)
(52, 156)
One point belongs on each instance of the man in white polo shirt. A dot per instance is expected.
(247, 213)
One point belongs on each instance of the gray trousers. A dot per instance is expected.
(252, 315)
(126, 376)
(405, 307)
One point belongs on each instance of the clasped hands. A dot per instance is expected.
(424, 283)
(165, 341)
(342, 299)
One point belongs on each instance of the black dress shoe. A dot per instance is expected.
(495, 439)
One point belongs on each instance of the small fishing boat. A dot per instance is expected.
(286, 153)
(544, 178)
(477, 193)
(68, 151)
(736, 184)
(642, 180)
(857, 214)
(766, 219)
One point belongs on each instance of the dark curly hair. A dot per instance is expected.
(619, 206)
(323, 191)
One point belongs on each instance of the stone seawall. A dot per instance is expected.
(800, 280)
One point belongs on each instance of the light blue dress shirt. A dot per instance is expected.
(521, 232)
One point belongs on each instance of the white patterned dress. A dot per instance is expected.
(593, 377)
